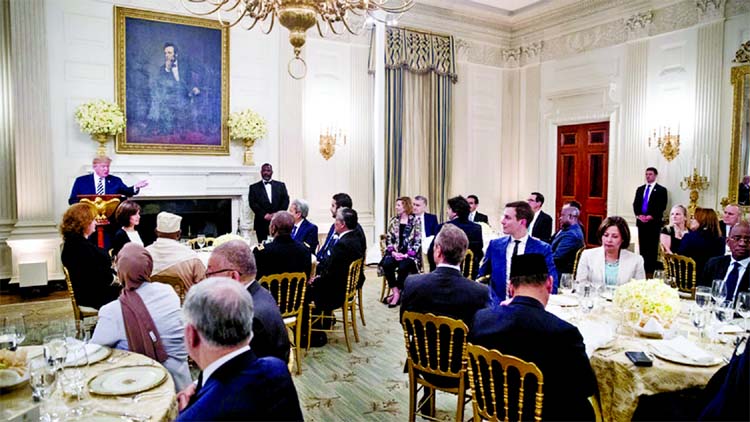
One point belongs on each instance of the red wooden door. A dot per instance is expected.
(582, 161)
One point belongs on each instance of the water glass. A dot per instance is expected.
(718, 290)
(698, 316)
(702, 296)
(201, 241)
(73, 375)
(659, 274)
(743, 306)
(566, 284)
(42, 379)
(724, 311)
(585, 293)
(55, 350)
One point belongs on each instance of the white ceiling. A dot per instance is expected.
(506, 8)
(507, 5)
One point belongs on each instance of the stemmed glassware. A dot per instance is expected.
(566, 284)
(73, 375)
(718, 291)
(703, 296)
(743, 306)
(201, 240)
(43, 380)
(585, 293)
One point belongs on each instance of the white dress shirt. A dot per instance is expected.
(509, 252)
(471, 215)
(96, 183)
(533, 221)
(267, 186)
(213, 366)
(743, 267)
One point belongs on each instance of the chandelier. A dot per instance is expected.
(300, 15)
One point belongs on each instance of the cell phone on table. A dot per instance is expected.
(639, 358)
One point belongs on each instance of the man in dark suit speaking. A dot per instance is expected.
(102, 183)
(648, 206)
(265, 198)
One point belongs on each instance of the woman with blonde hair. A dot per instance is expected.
(89, 266)
(703, 242)
(671, 235)
(403, 242)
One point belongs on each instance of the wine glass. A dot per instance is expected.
(201, 240)
(42, 379)
(8, 336)
(743, 306)
(566, 284)
(55, 350)
(73, 375)
(719, 291)
(702, 296)
(724, 311)
(20, 325)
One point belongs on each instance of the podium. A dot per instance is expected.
(103, 206)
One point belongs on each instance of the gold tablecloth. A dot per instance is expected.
(159, 407)
(621, 382)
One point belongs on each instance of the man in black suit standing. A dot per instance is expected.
(429, 221)
(458, 214)
(266, 197)
(526, 330)
(648, 206)
(733, 268)
(541, 226)
(475, 215)
(284, 254)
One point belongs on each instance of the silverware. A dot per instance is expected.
(131, 416)
(149, 394)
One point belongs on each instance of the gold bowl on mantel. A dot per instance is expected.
(102, 138)
(249, 159)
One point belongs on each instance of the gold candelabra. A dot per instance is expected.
(694, 183)
(328, 140)
(667, 142)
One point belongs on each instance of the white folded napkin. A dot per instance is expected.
(681, 346)
(76, 356)
(596, 335)
(652, 328)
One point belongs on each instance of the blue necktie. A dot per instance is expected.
(644, 207)
(732, 279)
(294, 231)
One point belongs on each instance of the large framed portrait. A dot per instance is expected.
(172, 76)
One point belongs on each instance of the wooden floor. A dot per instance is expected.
(11, 298)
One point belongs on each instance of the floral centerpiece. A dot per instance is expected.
(224, 238)
(247, 126)
(652, 297)
(100, 119)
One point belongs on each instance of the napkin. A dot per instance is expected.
(596, 335)
(76, 356)
(652, 328)
(562, 300)
(730, 329)
(681, 346)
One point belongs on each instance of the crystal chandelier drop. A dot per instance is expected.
(300, 15)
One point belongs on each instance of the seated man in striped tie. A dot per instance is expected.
(733, 268)
(102, 183)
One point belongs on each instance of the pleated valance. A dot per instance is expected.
(418, 52)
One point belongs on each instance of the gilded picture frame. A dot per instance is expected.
(172, 82)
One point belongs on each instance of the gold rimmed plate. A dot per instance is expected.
(127, 380)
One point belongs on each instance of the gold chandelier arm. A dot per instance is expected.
(270, 28)
(188, 8)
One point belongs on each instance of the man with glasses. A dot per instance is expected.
(235, 260)
(732, 268)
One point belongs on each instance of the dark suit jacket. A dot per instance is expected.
(329, 288)
(476, 243)
(90, 272)
(246, 388)
(113, 185)
(657, 203)
(565, 245)
(729, 389)
(543, 227)
(120, 239)
(481, 218)
(307, 234)
(723, 228)
(444, 292)
(283, 255)
(495, 264)
(270, 337)
(525, 330)
(430, 225)
(259, 202)
(743, 194)
(717, 267)
(701, 246)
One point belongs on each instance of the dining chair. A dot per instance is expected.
(79, 312)
(683, 270)
(467, 267)
(193, 243)
(577, 260)
(488, 370)
(385, 291)
(176, 282)
(435, 360)
(288, 289)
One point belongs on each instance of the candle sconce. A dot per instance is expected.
(694, 183)
(667, 142)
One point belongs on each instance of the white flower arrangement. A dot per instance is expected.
(100, 117)
(653, 297)
(224, 238)
(247, 124)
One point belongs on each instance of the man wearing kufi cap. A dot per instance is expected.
(172, 258)
(523, 328)
(102, 183)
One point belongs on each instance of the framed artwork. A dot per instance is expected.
(172, 77)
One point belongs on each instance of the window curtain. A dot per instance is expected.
(419, 77)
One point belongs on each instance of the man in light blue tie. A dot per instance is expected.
(648, 206)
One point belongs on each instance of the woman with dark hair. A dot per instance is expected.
(703, 242)
(146, 318)
(403, 251)
(127, 216)
(89, 266)
(611, 264)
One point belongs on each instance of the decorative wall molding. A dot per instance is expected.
(709, 10)
(637, 25)
(743, 54)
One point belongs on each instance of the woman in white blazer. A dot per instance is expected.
(611, 263)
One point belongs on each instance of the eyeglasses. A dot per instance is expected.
(209, 274)
(746, 239)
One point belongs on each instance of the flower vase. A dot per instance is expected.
(102, 138)
(249, 160)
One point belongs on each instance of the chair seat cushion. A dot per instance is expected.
(87, 311)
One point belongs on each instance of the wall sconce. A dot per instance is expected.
(667, 142)
(328, 140)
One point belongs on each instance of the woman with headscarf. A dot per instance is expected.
(146, 319)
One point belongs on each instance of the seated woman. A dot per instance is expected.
(403, 249)
(127, 216)
(89, 266)
(146, 319)
(703, 242)
(671, 235)
(611, 264)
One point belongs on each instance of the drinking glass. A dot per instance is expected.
(698, 318)
(19, 323)
(73, 375)
(743, 306)
(659, 274)
(585, 293)
(566, 284)
(201, 241)
(55, 350)
(7, 336)
(718, 290)
(724, 311)
(703, 296)
(42, 379)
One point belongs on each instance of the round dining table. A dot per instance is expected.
(158, 404)
(620, 382)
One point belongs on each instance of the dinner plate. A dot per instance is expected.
(95, 354)
(20, 380)
(667, 354)
(127, 380)
(562, 301)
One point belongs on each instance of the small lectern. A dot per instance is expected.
(104, 206)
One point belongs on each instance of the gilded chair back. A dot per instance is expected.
(174, 281)
(683, 271)
(435, 344)
(355, 268)
(76, 311)
(468, 265)
(488, 370)
(578, 258)
(288, 289)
